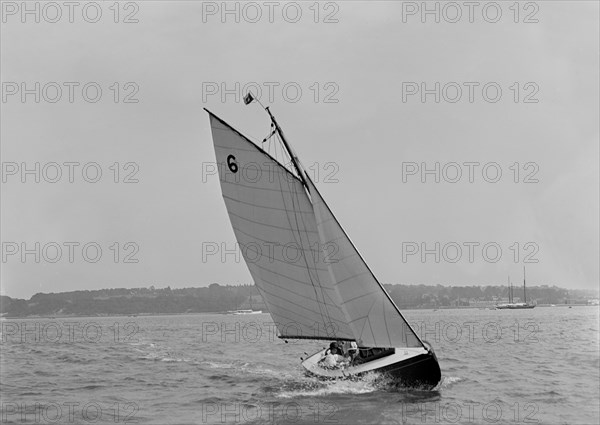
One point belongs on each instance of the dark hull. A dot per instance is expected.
(421, 371)
(514, 307)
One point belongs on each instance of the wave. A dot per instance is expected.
(313, 387)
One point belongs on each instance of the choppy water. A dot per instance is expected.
(506, 367)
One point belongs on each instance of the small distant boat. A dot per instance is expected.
(245, 312)
(326, 291)
(512, 305)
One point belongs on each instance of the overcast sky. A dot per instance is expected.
(509, 92)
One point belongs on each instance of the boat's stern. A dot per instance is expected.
(312, 367)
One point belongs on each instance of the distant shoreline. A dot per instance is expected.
(220, 299)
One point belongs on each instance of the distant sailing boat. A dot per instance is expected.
(512, 305)
(313, 281)
(246, 311)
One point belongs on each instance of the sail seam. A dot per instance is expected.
(255, 187)
(359, 297)
(266, 225)
(351, 277)
(237, 229)
(295, 304)
(279, 260)
(282, 275)
(261, 206)
(289, 290)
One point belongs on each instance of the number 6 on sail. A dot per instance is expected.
(272, 203)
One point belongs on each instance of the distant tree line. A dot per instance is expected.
(219, 298)
(424, 296)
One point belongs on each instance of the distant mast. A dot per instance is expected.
(524, 290)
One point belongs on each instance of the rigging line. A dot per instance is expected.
(290, 185)
(285, 157)
(271, 142)
(315, 267)
(321, 289)
(387, 330)
(367, 320)
(277, 154)
(318, 204)
(295, 200)
(273, 131)
(277, 144)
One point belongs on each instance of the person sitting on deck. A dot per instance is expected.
(332, 357)
(351, 351)
(335, 349)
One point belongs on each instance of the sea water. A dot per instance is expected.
(498, 367)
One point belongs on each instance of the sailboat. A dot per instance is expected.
(511, 305)
(246, 311)
(250, 311)
(314, 282)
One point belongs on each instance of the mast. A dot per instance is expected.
(524, 291)
(512, 293)
(293, 157)
(249, 98)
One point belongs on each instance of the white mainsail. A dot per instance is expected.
(287, 240)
